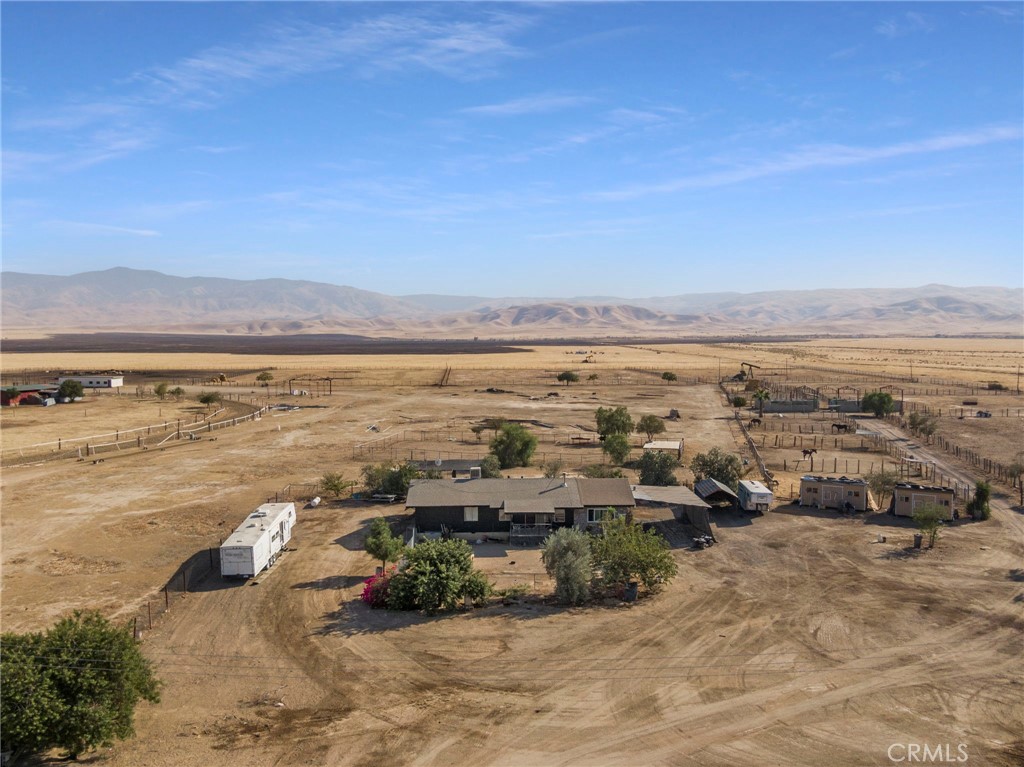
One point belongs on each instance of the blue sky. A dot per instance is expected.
(518, 149)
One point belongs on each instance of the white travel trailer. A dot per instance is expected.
(257, 541)
(754, 496)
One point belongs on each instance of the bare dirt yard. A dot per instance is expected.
(798, 639)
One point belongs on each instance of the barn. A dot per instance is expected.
(662, 504)
(28, 394)
(716, 494)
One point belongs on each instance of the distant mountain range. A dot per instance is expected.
(132, 299)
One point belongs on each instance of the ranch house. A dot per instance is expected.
(519, 510)
(834, 493)
(906, 497)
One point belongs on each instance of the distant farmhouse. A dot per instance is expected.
(95, 381)
(519, 510)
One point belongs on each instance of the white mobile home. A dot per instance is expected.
(257, 541)
(754, 496)
(95, 381)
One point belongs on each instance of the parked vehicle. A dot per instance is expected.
(258, 541)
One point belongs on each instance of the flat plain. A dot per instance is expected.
(799, 639)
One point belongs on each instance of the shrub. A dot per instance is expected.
(376, 589)
(567, 559)
(738, 401)
(657, 469)
(513, 445)
(625, 552)
(478, 588)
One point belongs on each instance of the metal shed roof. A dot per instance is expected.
(708, 487)
(675, 495)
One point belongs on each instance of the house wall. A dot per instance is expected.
(832, 495)
(907, 499)
(453, 517)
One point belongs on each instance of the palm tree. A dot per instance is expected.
(761, 396)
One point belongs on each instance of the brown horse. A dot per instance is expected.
(755, 422)
(809, 452)
(841, 428)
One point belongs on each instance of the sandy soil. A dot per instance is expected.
(799, 639)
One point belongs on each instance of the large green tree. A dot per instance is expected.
(717, 464)
(382, 544)
(389, 478)
(625, 552)
(978, 506)
(437, 575)
(567, 559)
(650, 425)
(71, 389)
(567, 377)
(760, 397)
(617, 447)
(513, 445)
(490, 467)
(334, 483)
(657, 469)
(613, 421)
(879, 403)
(75, 687)
(161, 389)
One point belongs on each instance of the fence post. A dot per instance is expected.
(167, 599)
(149, 609)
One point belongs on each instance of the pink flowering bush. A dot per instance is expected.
(375, 589)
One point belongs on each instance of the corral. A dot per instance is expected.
(744, 659)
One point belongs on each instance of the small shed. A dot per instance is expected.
(666, 446)
(907, 497)
(715, 494)
(680, 503)
(28, 394)
(834, 493)
(449, 467)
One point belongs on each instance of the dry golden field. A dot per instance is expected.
(799, 639)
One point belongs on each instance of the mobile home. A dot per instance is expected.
(834, 493)
(907, 497)
(754, 496)
(258, 541)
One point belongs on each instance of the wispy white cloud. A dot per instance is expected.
(209, 149)
(845, 53)
(528, 105)
(84, 227)
(814, 158)
(908, 23)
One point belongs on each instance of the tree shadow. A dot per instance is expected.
(1016, 574)
(332, 582)
(353, 541)
(885, 519)
(907, 552)
(354, 618)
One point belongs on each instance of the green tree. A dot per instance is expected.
(600, 471)
(265, 377)
(760, 397)
(177, 392)
(160, 390)
(978, 506)
(613, 421)
(928, 518)
(380, 543)
(882, 483)
(513, 445)
(738, 401)
(716, 464)
(333, 483)
(877, 402)
(657, 469)
(209, 398)
(567, 559)
(74, 688)
(389, 478)
(436, 575)
(617, 447)
(923, 423)
(553, 468)
(669, 376)
(568, 377)
(592, 377)
(1016, 473)
(71, 389)
(12, 392)
(490, 467)
(624, 552)
(650, 425)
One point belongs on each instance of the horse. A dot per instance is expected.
(755, 422)
(808, 452)
(840, 428)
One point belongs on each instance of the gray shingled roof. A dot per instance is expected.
(496, 493)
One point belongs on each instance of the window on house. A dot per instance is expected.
(560, 515)
(470, 514)
(596, 515)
